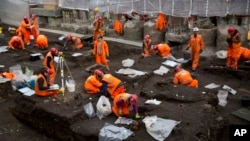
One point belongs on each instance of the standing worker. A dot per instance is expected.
(74, 42)
(34, 26)
(196, 44)
(111, 84)
(183, 77)
(92, 84)
(98, 27)
(25, 30)
(146, 46)
(49, 63)
(16, 42)
(42, 86)
(42, 42)
(101, 51)
(122, 103)
(233, 50)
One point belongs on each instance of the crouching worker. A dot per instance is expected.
(146, 46)
(16, 42)
(184, 77)
(92, 84)
(74, 42)
(122, 102)
(111, 85)
(42, 42)
(42, 87)
(164, 51)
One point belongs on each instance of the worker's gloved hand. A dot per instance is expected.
(137, 116)
(120, 112)
(201, 51)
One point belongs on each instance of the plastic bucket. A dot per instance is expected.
(70, 84)
(245, 100)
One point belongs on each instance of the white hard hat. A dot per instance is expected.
(196, 29)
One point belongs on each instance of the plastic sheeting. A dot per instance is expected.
(13, 11)
(177, 8)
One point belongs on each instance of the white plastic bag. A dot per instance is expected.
(103, 107)
(89, 110)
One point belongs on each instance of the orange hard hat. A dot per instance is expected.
(231, 30)
(98, 72)
(133, 99)
(146, 36)
(54, 51)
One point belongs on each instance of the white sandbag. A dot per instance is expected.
(89, 110)
(221, 54)
(130, 72)
(128, 62)
(162, 70)
(103, 107)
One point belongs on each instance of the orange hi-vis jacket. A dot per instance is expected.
(42, 41)
(114, 85)
(92, 85)
(184, 77)
(50, 64)
(245, 54)
(25, 31)
(161, 22)
(236, 41)
(98, 29)
(8, 75)
(76, 43)
(34, 29)
(13, 44)
(240, 53)
(45, 84)
(124, 107)
(118, 27)
(147, 48)
(101, 50)
(164, 50)
(196, 44)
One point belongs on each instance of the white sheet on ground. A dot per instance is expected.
(3, 48)
(221, 54)
(153, 101)
(229, 89)
(123, 120)
(26, 91)
(130, 72)
(170, 63)
(162, 70)
(128, 62)
(222, 96)
(76, 54)
(181, 60)
(113, 133)
(159, 128)
(212, 86)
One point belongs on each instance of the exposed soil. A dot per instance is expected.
(200, 116)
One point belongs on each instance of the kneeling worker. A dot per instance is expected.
(92, 84)
(183, 77)
(122, 102)
(74, 42)
(164, 51)
(42, 42)
(42, 87)
(16, 42)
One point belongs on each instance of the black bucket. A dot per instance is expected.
(186, 56)
(245, 100)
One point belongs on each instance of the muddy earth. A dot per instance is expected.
(47, 118)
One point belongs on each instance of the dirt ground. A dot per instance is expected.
(200, 116)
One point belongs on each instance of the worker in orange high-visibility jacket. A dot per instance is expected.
(98, 27)
(92, 84)
(233, 50)
(25, 30)
(34, 26)
(42, 85)
(101, 51)
(16, 42)
(9, 75)
(163, 50)
(146, 46)
(161, 22)
(118, 28)
(74, 42)
(196, 44)
(112, 85)
(239, 54)
(42, 42)
(122, 103)
(184, 77)
(48, 62)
